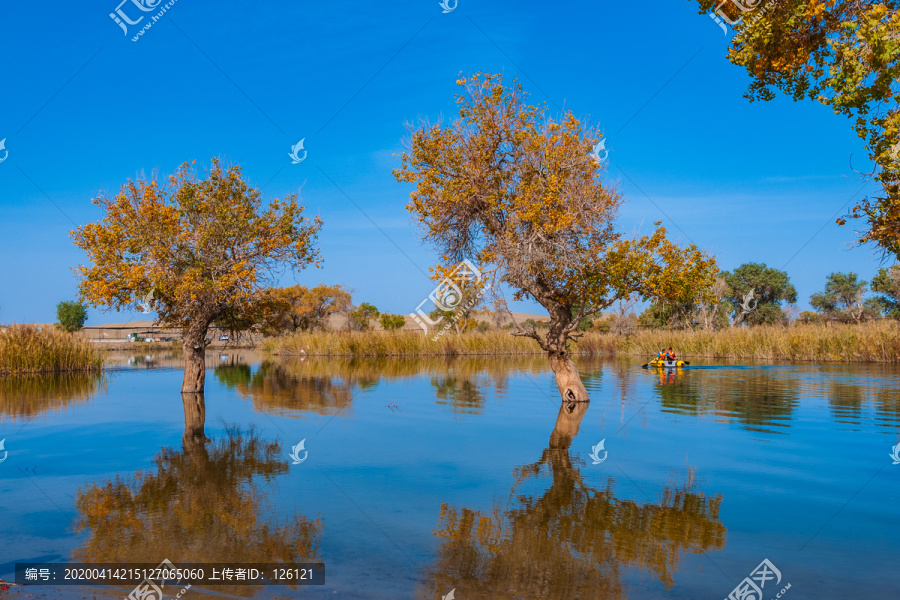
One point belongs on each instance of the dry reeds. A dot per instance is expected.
(877, 341)
(24, 349)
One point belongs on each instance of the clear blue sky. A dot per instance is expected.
(82, 108)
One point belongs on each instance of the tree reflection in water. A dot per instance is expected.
(26, 396)
(202, 504)
(571, 540)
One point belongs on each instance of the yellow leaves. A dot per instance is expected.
(201, 245)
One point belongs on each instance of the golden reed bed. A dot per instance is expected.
(870, 342)
(24, 349)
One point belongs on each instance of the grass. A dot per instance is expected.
(877, 341)
(24, 349)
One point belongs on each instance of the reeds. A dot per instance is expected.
(877, 341)
(24, 349)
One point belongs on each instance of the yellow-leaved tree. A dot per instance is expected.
(194, 249)
(520, 193)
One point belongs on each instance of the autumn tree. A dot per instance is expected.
(71, 315)
(519, 193)
(194, 249)
(844, 54)
(770, 287)
(299, 307)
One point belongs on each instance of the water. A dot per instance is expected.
(426, 476)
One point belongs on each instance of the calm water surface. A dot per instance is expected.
(424, 476)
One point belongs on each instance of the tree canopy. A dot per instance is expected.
(71, 315)
(843, 300)
(770, 288)
(844, 54)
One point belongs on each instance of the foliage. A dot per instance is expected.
(71, 315)
(392, 322)
(202, 247)
(842, 299)
(24, 349)
(886, 286)
(358, 318)
(770, 288)
(519, 192)
(845, 54)
(300, 308)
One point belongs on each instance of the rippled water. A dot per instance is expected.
(426, 476)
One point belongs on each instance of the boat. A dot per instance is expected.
(665, 364)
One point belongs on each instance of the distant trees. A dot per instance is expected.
(358, 318)
(71, 315)
(843, 300)
(391, 322)
(886, 286)
(770, 288)
(301, 308)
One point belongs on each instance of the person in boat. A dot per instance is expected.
(670, 354)
(661, 355)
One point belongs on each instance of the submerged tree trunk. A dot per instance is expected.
(194, 344)
(194, 421)
(571, 389)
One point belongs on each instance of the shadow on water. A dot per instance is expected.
(570, 540)
(26, 396)
(205, 503)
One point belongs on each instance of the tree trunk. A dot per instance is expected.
(194, 345)
(194, 421)
(571, 389)
(567, 423)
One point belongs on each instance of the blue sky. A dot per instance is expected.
(83, 108)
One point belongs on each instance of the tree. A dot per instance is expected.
(358, 318)
(845, 54)
(770, 287)
(71, 315)
(842, 299)
(197, 249)
(391, 322)
(299, 307)
(886, 286)
(519, 193)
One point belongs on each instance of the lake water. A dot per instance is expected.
(419, 477)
